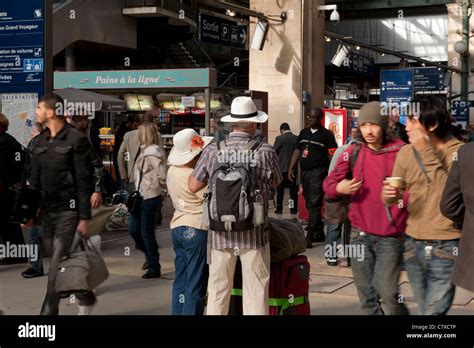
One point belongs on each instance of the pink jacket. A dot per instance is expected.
(366, 211)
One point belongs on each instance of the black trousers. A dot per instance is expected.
(313, 193)
(293, 186)
(61, 227)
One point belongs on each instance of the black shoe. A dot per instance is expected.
(31, 273)
(150, 274)
(13, 261)
(278, 211)
(145, 266)
(294, 211)
(331, 262)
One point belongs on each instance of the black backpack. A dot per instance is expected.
(234, 200)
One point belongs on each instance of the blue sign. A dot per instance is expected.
(359, 64)
(224, 32)
(396, 85)
(428, 79)
(460, 110)
(136, 79)
(22, 46)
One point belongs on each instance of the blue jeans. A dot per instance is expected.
(190, 284)
(430, 270)
(35, 238)
(376, 268)
(142, 229)
(333, 236)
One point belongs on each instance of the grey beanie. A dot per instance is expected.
(371, 113)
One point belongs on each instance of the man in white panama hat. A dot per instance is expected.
(251, 246)
(188, 231)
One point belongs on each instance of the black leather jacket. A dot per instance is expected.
(62, 170)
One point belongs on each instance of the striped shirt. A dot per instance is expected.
(268, 173)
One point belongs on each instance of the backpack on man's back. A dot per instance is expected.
(234, 201)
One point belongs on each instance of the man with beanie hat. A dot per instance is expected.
(314, 146)
(376, 236)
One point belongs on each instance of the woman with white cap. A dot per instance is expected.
(188, 232)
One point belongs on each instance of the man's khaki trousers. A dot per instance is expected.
(255, 279)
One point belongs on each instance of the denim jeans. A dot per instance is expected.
(35, 238)
(191, 271)
(333, 236)
(376, 270)
(429, 264)
(142, 229)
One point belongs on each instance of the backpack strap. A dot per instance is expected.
(422, 166)
(252, 145)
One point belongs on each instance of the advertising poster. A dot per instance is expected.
(336, 121)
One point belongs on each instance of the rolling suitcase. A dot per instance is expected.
(288, 290)
(302, 210)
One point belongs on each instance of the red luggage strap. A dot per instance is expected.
(284, 303)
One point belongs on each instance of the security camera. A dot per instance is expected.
(335, 17)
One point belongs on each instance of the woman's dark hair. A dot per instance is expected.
(388, 136)
(433, 111)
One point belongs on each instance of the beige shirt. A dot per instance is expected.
(425, 220)
(188, 206)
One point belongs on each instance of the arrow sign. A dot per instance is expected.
(243, 36)
(456, 104)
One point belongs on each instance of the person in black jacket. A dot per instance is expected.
(11, 163)
(314, 147)
(395, 125)
(62, 172)
(284, 146)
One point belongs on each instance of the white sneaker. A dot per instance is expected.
(86, 310)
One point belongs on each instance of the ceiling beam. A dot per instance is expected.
(379, 48)
(349, 5)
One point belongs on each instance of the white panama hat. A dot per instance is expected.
(187, 144)
(243, 109)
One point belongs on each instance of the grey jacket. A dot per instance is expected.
(457, 204)
(284, 146)
(150, 172)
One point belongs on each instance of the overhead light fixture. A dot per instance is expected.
(230, 13)
(328, 39)
(260, 35)
(382, 54)
(357, 47)
(423, 64)
(341, 54)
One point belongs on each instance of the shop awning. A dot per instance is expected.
(101, 102)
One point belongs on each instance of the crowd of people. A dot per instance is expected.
(397, 194)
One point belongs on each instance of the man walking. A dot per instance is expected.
(62, 172)
(252, 245)
(284, 146)
(314, 146)
(431, 240)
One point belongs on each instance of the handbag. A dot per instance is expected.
(25, 205)
(135, 200)
(80, 271)
(130, 186)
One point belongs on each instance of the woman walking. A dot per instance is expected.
(150, 178)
